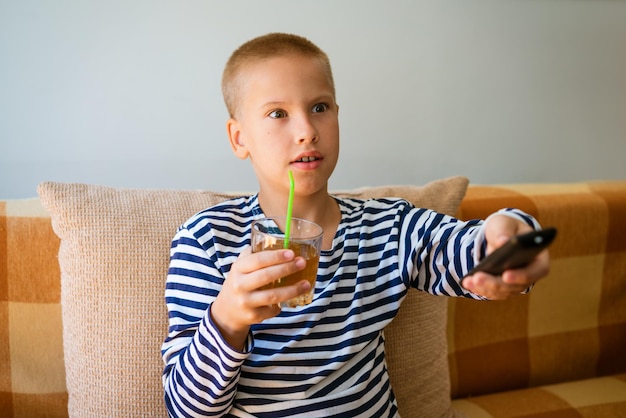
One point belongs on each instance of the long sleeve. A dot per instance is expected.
(201, 370)
(443, 250)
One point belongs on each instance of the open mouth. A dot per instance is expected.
(307, 159)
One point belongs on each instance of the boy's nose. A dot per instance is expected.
(306, 131)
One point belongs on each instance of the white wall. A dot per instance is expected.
(126, 93)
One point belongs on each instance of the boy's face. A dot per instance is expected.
(287, 120)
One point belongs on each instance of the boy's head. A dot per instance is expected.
(259, 49)
(280, 94)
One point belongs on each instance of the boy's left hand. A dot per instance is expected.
(498, 230)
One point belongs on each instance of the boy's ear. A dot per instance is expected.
(236, 141)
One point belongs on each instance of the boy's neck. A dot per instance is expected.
(316, 207)
(320, 208)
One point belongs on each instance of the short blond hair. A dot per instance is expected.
(261, 48)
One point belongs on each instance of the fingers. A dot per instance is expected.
(246, 290)
(241, 302)
(491, 287)
(499, 228)
(529, 275)
(260, 305)
(512, 282)
(265, 267)
(276, 295)
(248, 308)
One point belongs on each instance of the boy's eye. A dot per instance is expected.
(320, 107)
(277, 114)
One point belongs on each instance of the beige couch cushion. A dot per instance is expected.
(114, 257)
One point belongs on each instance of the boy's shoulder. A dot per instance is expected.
(235, 204)
(351, 203)
(233, 208)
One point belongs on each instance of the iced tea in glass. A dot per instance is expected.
(305, 240)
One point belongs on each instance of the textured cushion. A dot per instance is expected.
(114, 258)
(32, 376)
(572, 326)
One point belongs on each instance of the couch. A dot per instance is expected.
(82, 271)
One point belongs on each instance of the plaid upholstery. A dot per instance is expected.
(558, 352)
(571, 327)
(32, 376)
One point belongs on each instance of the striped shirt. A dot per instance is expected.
(324, 359)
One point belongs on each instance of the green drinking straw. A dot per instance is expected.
(289, 210)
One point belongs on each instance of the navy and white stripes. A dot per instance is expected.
(324, 359)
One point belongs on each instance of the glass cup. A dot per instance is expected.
(305, 240)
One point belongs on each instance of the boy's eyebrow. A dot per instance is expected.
(271, 104)
(320, 98)
(324, 97)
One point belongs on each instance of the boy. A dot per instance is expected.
(230, 349)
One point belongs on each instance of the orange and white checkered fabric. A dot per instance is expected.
(600, 397)
(32, 374)
(571, 327)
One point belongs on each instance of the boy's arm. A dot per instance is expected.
(446, 249)
(244, 301)
(210, 317)
(201, 370)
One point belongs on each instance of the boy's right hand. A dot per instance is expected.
(241, 303)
